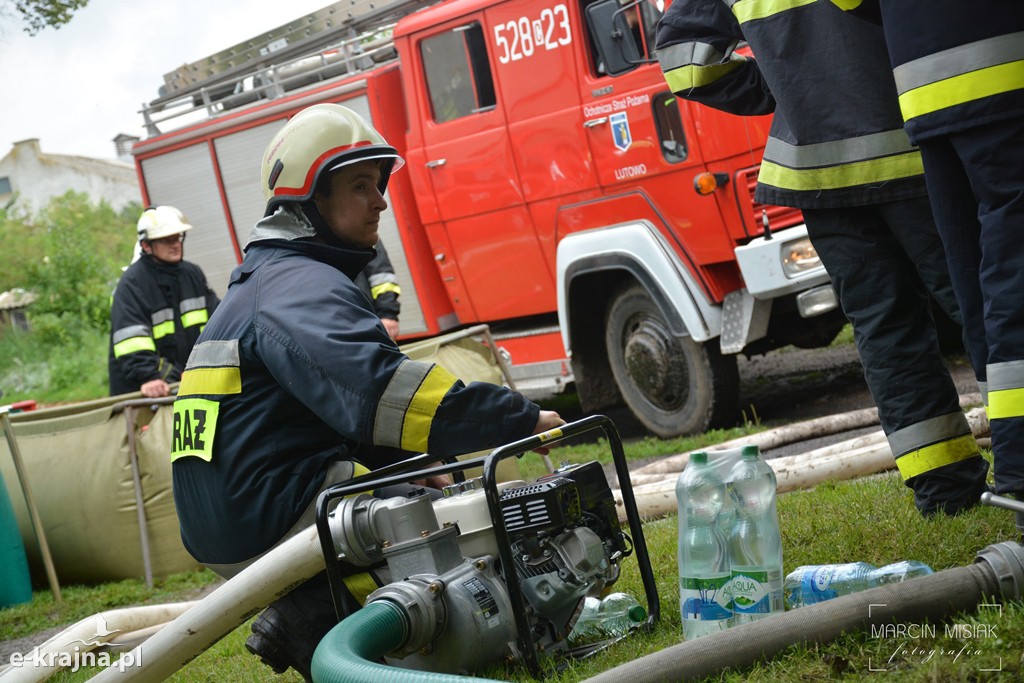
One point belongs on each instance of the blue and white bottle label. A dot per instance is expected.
(817, 584)
(704, 598)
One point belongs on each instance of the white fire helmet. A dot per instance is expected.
(161, 221)
(318, 140)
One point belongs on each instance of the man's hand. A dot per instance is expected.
(391, 325)
(156, 388)
(438, 481)
(548, 419)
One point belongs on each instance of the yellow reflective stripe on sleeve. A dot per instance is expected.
(194, 318)
(1005, 403)
(386, 287)
(749, 10)
(195, 425)
(360, 586)
(134, 345)
(847, 4)
(210, 381)
(844, 175)
(688, 77)
(966, 87)
(423, 406)
(935, 456)
(163, 329)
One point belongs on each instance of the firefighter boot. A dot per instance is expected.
(288, 631)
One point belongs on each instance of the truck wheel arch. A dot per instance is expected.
(591, 267)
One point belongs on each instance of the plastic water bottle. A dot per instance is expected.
(610, 617)
(703, 554)
(755, 545)
(815, 583)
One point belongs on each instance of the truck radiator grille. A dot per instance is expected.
(752, 211)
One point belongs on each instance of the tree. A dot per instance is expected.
(38, 14)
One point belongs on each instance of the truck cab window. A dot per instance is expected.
(458, 73)
(670, 127)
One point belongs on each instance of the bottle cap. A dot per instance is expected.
(749, 452)
(637, 613)
(699, 457)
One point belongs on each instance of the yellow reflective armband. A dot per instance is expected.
(195, 425)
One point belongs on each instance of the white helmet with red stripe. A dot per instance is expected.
(316, 141)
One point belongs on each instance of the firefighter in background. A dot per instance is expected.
(158, 308)
(378, 282)
(959, 70)
(836, 150)
(295, 385)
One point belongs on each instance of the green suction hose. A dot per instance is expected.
(349, 651)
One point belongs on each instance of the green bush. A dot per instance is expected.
(69, 254)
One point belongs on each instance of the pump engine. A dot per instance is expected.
(458, 597)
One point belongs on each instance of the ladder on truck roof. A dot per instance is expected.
(345, 37)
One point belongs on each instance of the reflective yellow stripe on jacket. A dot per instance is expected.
(407, 408)
(213, 368)
(961, 74)
(850, 162)
(132, 339)
(933, 443)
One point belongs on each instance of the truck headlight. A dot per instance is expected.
(799, 257)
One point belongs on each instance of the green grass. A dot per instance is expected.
(870, 519)
(32, 369)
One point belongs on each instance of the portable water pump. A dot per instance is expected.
(490, 572)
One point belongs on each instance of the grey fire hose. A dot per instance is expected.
(997, 573)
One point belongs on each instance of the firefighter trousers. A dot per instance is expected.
(976, 184)
(884, 261)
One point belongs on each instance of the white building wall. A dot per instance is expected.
(35, 177)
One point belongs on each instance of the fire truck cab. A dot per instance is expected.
(554, 189)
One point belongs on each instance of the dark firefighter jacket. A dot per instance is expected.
(378, 281)
(294, 372)
(156, 314)
(957, 64)
(836, 137)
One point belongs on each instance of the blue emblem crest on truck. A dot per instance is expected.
(620, 130)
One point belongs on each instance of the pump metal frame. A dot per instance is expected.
(419, 467)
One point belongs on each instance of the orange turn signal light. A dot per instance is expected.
(705, 183)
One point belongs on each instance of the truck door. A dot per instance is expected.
(489, 255)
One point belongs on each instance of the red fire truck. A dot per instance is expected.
(554, 189)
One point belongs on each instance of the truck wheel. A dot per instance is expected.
(673, 385)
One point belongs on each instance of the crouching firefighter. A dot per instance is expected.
(295, 385)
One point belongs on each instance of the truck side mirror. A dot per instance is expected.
(613, 36)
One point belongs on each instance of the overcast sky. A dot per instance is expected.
(77, 87)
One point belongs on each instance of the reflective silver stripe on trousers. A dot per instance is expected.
(193, 304)
(1005, 375)
(684, 54)
(983, 388)
(129, 332)
(387, 428)
(214, 354)
(162, 316)
(862, 148)
(959, 60)
(928, 432)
